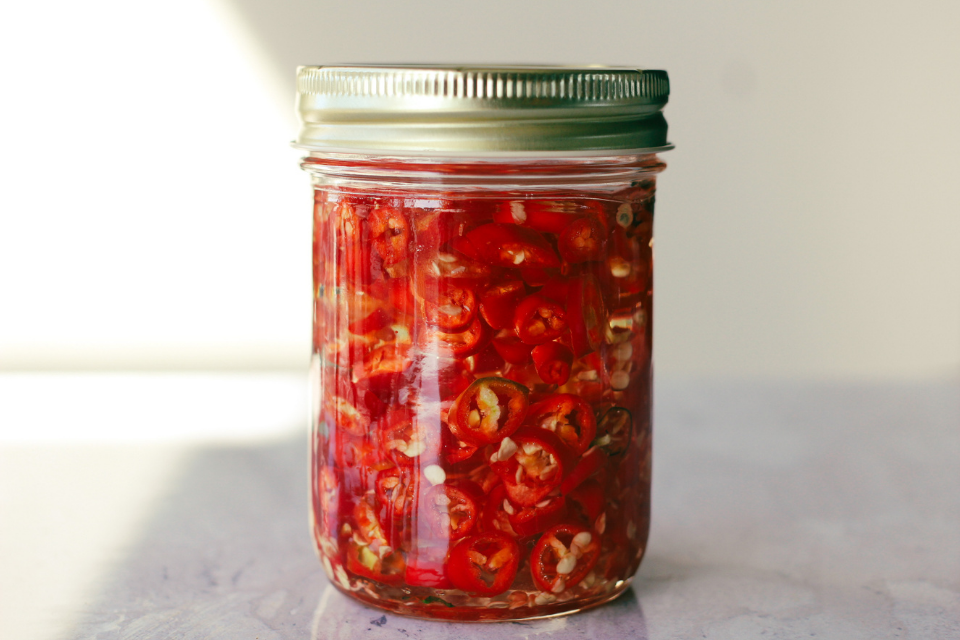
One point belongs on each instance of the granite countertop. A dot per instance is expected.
(780, 510)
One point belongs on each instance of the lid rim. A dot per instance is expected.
(473, 108)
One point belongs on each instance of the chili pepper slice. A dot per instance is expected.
(591, 462)
(495, 516)
(382, 368)
(454, 450)
(511, 349)
(452, 510)
(484, 564)
(587, 316)
(589, 500)
(527, 521)
(567, 415)
(347, 416)
(615, 429)
(553, 362)
(508, 245)
(365, 562)
(563, 556)
(396, 491)
(390, 232)
(550, 216)
(401, 439)
(487, 360)
(538, 320)
(532, 463)
(581, 241)
(378, 319)
(462, 344)
(498, 303)
(451, 308)
(489, 410)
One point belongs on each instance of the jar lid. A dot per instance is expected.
(476, 110)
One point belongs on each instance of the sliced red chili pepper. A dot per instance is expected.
(402, 439)
(498, 303)
(365, 562)
(390, 232)
(568, 416)
(484, 564)
(537, 277)
(368, 524)
(591, 462)
(589, 499)
(451, 308)
(538, 320)
(511, 349)
(614, 431)
(453, 380)
(553, 362)
(581, 241)
(426, 567)
(452, 510)
(527, 521)
(454, 450)
(487, 361)
(378, 319)
(626, 269)
(396, 491)
(531, 465)
(563, 556)
(508, 245)
(550, 216)
(382, 368)
(587, 316)
(489, 410)
(462, 344)
(347, 416)
(495, 515)
(354, 453)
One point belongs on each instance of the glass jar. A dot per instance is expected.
(482, 258)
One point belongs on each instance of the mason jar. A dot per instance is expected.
(481, 371)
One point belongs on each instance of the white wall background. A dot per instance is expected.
(152, 215)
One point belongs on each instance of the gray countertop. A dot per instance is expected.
(779, 511)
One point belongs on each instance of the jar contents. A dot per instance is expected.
(482, 440)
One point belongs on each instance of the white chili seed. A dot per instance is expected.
(518, 212)
(447, 257)
(530, 448)
(508, 507)
(559, 586)
(507, 448)
(620, 380)
(601, 523)
(623, 351)
(582, 539)
(435, 474)
(566, 565)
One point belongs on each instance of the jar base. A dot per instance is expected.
(502, 613)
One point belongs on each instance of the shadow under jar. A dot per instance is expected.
(482, 263)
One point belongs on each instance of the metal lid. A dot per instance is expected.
(470, 110)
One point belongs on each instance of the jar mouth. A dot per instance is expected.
(469, 110)
(493, 172)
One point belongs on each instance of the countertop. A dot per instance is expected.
(780, 510)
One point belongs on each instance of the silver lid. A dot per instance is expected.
(463, 110)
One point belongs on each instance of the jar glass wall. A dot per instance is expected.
(481, 376)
